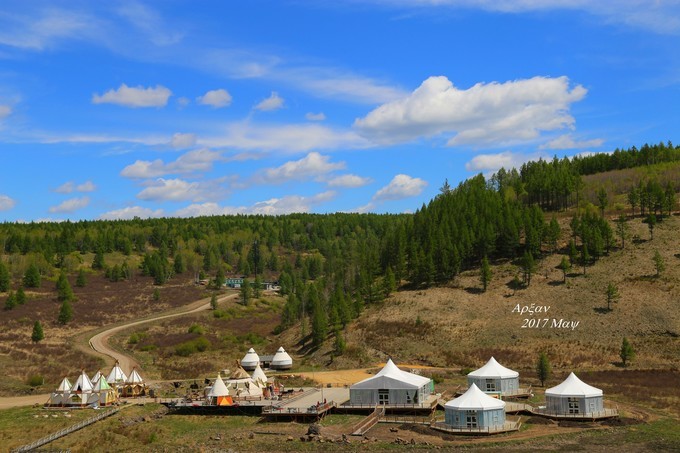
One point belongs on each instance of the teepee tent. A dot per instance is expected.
(134, 385)
(116, 377)
(475, 409)
(494, 378)
(250, 360)
(241, 385)
(218, 395)
(259, 378)
(573, 396)
(81, 390)
(391, 386)
(103, 394)
(96, 377)
(281, 360)
(60, 397)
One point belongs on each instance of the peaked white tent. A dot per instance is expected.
(259, 378)
(250, 360)
(116, 377)
(391, 386)
(494, 378)
(104, 394)
(281, 360)
(475, 409)
(573, 396)
(81, 391)
(218, 394)
(96, 377)
(134, 385)
(241, 385)
(60, 397)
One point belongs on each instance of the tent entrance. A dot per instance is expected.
(471, 419)
(574, 406)
(383, 396)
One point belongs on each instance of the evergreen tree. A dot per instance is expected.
(38, 333)
(573, 252)
(64, 291)
(651, 223)
(659, 263)
(65, 312)
(389, 282)
(553, 234)
(528, 267)
(21, 296)
(602, 200)
(485, 273)
(178, 264)
(565, 265)
(11, 301)
(257, 287)
(543, 370)
(98, 260)
(246, 292)
(622, 229)
(81, 280)
(612, 295)
(32, 277)
(213, 301)
(627, 353)
(340, 344)
(634, 199)
(4, 278)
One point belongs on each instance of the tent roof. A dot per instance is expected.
(392, 377)
(573, 386)
(258, 376)
(239, 373)
(475, 399)
(65, 385)
(493, 369)
(281, 357)
(134, 378)
(83, 383)
(116, 376)
(96, 376)
(251, 358)
(218, 388)
(102, 384)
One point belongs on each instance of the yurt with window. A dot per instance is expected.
(572, 397)
(251, 360)
(281, 360)
(134, 385)
(218, 395)
(391, 386)
(494, 378)
(81, 391)
(475, 410)
(60, 397)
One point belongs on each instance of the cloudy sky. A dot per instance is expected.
(110, 110)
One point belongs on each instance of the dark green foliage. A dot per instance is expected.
(98, 260)
(32, 277)
(246, 293)
(651, 223)
(553, 234)
(64, 291)
(602, 200)
(213, 301)
(65, 312)
(157, 266)
(543, 369)
(612, 295)
(340, 345)
(659, 263)
(81, 280)
(11, 301)
(485, 273)
(528, 267)
(4, 278)
(622, 229)
(627, 352)
(565, 266)
(389, 282)
(38, 333)
(20, 296)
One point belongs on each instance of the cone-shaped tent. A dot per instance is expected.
(116, 377)
(134, 385)
(250, 360)
(60, 397)
(218, 395)
(81, 391)
(573, 396)
(494, 378)
(96, 377)
(105, 395)
(475, 409)
(241, 385)
(65, 386)
(391, 386)
(259, 378)
(281, 360)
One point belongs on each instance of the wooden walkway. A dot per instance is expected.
(369, 422)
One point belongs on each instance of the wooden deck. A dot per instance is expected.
(508, 426)
(591, 416)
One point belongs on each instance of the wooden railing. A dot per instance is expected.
(369, 422)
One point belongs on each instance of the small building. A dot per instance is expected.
(117, 378)
(475, 409)
(134, 385)
(574, 398)
(218, 394)
(281, 360)
(495, 378)
(60, 397)
(81, 393)
(391, 386)
(251, 360)
(105, 395)
(234, 282)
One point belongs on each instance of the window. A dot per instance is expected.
(471, 419)
(490, 385)
(383, 396)
(574, 406)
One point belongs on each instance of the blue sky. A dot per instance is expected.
(110, 110)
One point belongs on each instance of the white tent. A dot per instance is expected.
(573, 386)
(134, 378)
(105, 395)
(241, 385)
(96, 377)
(134, 385)
(60, 397)
(81, 391)
(65, 386)
(258, 377)
(475, 399)
(219, 388)
(475, 409)
(250, 360)
(573, 396)
(116, 377)
(494, 378)
(391, 386)
(281, 360)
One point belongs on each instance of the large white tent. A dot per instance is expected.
(81, 391)
(60, 397)
(259, 378)
(573, 396)
(241, 385)
(218, 394)
(105, 395)
(281, 360)
(494, 378)
(134, 385)
(117, 376)
(475, 409)
(250, 360)
(391, 386)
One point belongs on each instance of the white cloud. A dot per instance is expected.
(216, 98)
(274, 206)
(150, 23)
(180, 190)
(130, 213)
(41, 29)
(490, 163)
(6, 203)
(70, 187)
(273, 102)
(566, 141)
(70, 205)
(135, 96)
(5, 111)
(200, 160)
(183, 102)
(349, 181)
(311, 166)
(485, 113)
(315, 116)
(183, 141)
(401, 186)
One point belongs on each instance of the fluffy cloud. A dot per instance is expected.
(566, 141)
(273, 102)
(349, 181)
(6, 203)
(199, 160)
(485, 113)
(315, 116)
(183, 141)
(70, 205)
(5, 111)
(311, 166)
(216, 98)
(180, 190)
(134, 96)
(131, 212)
(401, 186)
(274, 206)
(70, 187)
(490, 163)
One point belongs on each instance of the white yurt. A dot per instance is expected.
(475, 409)
(281, 360)
(81, 391)
(60, 397)
(573, 396)
(250, 360)
(218, 394)
(391, 386)
(494, 378)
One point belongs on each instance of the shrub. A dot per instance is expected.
(197, 329)
(148, 347)
(185, 349)
(134, 338)
(36, 380)
(201, 344)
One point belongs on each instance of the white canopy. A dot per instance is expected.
(96, 376)
(82, 384)
(259, 377)
(493, 369)
(281, 358)
(102, 385)
(573, 386)
(218, 388)
(116, 376)
(475, 399)
(391, 377)
(134, 378)
(65, 386)
(251, 359)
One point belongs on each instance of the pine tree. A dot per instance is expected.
(612, 295)
(246, 293)
(565, 266)
(65, 312)
(627, 353)
(543, 370)
(528, 267)
(20, 296)
(659, 263)
(98, 260)
(340, 344)
(38, 333)
(81, 280)
(64, 291)
(622, 229)
(32, 277)
(651, 223)
(11, 301)
(4, 278)
(213, 301)
(602, 200)
(485, 273)
(389, 282)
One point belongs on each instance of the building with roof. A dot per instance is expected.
(495, 378)
(251, 360)
(134, 385)
(575, 399)
(218, 394)
(391, 387)
(281, 360)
